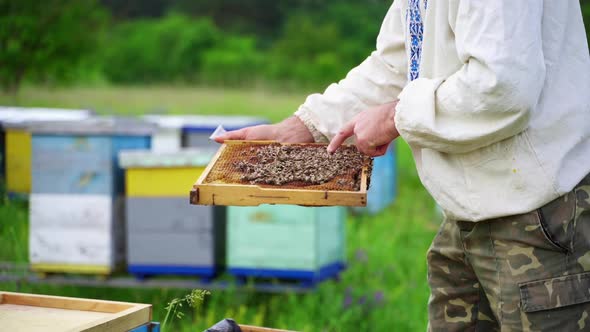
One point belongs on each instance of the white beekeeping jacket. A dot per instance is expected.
(498, 119)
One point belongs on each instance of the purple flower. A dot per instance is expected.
(362, 300)
(379, 297)
(347, 301)
(361, 255)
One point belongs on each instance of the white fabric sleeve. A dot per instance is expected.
(377, 80)
(491, 96)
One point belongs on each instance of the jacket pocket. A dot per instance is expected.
(555, 293)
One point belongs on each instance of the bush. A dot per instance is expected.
(46, 40)
(153, 50)
(233, 61)
(307, 53)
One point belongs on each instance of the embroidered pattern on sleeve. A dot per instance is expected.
(416, 33)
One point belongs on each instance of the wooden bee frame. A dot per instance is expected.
(239, 194)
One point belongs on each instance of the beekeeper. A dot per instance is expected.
(493, 97)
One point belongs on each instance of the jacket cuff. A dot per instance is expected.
(414, 113)
(303, 115)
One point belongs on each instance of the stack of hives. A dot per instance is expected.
(76, 204)
(77, 215)
(165, 234)
(15, 142)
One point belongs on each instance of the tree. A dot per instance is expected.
(586, 12)
(44, 38)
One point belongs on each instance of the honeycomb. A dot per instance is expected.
(226, 169)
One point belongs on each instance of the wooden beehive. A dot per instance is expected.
(42, 313)
(196, 129)
(17, 143)
(221, 183)
(165, 234)
(76, 204)
(285, 241)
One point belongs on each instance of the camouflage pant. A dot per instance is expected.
(527, 272)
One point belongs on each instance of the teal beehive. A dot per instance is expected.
(285, 241)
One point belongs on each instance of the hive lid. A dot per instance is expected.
(181, 158)
(33, 312)
(20, 117)
(94, 126)
(225, 181)
(203, 123)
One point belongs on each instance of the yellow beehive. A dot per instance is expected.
(16, 122)
(18, 160)
(153, 174)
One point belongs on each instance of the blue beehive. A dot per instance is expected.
(383, 187)
(76, 204)
(197, 129)
(176, 131)
(15, 142)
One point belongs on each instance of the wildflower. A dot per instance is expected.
(347, 301)
(361, 255)
(379, 297)
(362, 300)
(194, 300)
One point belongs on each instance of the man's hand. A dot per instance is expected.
(290, 130)
(374, 129)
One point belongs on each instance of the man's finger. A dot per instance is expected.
(343, 134)
(381, 150)
(239, 134)
(365, 148)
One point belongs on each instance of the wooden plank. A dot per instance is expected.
(59, 302)
(252, 195)
(133, 283)
(71, 268)
(40, 319)
(249, 328)
(28, 313)
(207, 170)
(248, 195)
(123, 321)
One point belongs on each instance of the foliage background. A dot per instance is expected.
(288, 44)
(222, 57)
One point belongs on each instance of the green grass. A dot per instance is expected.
(161, 99)
(383, 289)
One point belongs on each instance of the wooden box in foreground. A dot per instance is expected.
(42, 313)
(222, 183)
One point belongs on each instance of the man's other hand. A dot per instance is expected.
(374, 129)
(290, 130)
